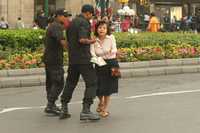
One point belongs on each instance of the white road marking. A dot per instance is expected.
(25, 108)
(130, 97)
(162, 93)
(19, 108)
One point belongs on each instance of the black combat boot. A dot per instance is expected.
(64, 112)
(86, 114)
(52, 109)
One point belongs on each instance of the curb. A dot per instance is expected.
(36, 77)
(123, 65)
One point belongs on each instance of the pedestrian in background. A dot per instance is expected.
(79, 39)
(42, 20)
(105, 47)
(3, 24)
(19, 24)
(146, 20)
(154, 24)
(53, 59)
(34, 25)
(126, 24)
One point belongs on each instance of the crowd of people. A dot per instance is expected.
(186, 23)
(145, 22)
(119, 23)
(163, 24)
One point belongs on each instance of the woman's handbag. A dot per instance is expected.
(115, 72)
(114, 68)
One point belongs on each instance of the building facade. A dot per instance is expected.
(178, 8)
(72, 6)
(12, 9)
(27, 9)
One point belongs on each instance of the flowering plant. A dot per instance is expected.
(182, 51)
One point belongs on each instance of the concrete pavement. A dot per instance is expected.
(156, 104)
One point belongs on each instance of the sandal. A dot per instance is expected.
(99, 108)
(104, 114)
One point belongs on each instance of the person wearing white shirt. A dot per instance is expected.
(146, 20)
(20, 24)
(3, 24)
(105, 47)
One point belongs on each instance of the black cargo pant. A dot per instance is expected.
(88, 73)
(54, 82)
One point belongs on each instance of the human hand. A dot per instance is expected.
(120, 54)
(92, 40)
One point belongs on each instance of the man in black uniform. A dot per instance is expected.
(53, 59)
(79, 39)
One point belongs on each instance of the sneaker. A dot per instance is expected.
(52, 110)
(89, 116)
(64, 114)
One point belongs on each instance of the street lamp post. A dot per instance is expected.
(46, 7)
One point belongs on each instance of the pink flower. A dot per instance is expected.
(193, 51)
(183, 50)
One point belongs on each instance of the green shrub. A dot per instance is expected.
(32, 39)
(24, 48)
(129, 40)
(21, 39)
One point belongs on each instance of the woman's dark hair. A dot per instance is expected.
(99, 23)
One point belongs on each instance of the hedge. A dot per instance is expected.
(128, 40)
(24, 48)
(21, 39)
(32, 39)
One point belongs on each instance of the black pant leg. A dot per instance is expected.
(57, 83)
(71, 82)
(89, 76)
(48, 82)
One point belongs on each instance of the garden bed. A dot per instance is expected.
(24, 48)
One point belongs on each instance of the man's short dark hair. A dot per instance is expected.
(87, 8)
(61, 12)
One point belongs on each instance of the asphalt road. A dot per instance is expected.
(160, 104)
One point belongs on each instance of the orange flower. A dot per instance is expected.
(33, 61)
(2, 61)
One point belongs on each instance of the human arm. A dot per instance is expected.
(58, 33)
(114, 45)
(87, 40)
(92, 50)
(84, 34)
(64, 44)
